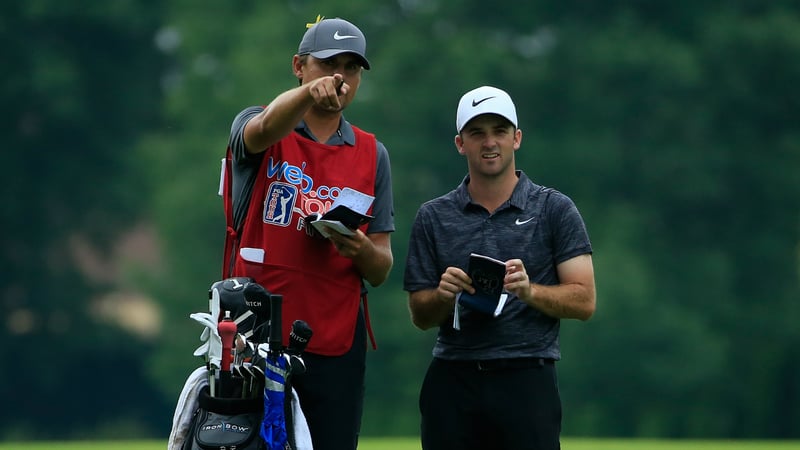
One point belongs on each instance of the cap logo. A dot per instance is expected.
(474, 103)
(339, 37)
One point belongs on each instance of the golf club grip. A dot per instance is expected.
(275, 322)
(227, 333)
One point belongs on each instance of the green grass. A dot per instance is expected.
(658, 444)
(413, 444)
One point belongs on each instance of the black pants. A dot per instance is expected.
(511, 404)
(332, 394)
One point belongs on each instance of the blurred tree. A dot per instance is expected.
(75, 97)
(692, 139)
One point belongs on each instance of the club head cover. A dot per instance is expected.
(231, 298)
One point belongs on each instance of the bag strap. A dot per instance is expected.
(367, 321)
(232, 230)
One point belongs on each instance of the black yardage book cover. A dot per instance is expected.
(348, 212)
(348, 217)
(487, 278)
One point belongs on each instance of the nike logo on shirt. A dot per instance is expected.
(523, 222)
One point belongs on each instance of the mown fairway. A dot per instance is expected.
(413, 444)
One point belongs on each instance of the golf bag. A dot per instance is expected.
(226, 424)
(242, 399)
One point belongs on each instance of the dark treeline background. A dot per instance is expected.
(673, 126)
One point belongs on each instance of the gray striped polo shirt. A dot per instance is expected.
(541, 226)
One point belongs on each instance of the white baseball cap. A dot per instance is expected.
(485, 100)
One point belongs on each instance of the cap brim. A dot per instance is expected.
(325, 54)
(487, 113)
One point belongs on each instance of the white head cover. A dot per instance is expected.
(485, 100)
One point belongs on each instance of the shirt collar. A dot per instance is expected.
(519, 197)
(345, 135)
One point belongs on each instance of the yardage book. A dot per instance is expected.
(487, 278)
(348, 212)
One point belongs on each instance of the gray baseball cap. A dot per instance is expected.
(329, 37)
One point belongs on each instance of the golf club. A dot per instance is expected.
(275, 327)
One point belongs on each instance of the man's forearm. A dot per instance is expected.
(376, 261)
(278, 119)
(566, 301)
(427, 309)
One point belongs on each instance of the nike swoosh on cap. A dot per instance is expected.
(339, 37)
(474, 103)
(523, 222)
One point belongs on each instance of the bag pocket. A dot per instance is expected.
(221, 431)
(227, 424)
